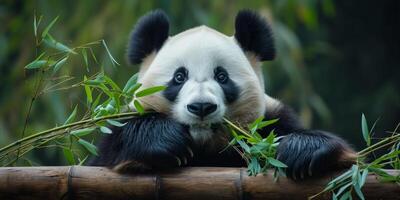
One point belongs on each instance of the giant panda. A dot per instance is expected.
(208, 76)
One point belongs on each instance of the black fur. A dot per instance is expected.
(148, 35)
(173, 88)
(254, 35)
(311, 153)
(154, 140)
(306, 152)
(231, 90)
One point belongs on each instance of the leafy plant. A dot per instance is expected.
(258, 152)
(352, 181)
(105, 100)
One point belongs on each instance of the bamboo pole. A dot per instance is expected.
(79, 182)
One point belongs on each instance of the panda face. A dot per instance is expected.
(207, 75)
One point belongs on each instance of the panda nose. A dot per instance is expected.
(202, 109)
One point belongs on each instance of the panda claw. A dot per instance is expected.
(178, 160)
(184, 161)
(190, 151)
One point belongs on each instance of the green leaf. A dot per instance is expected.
(112, 83)
(84, 54)
(134, 88)
(88, 146)
(69, 156)
(345, 196)
(82, 132)
(149, 91)
(57, 45)
(363, 177)
(358, 192)
(343, 176)
(36, 24)
(46, 30)
(131, 82)
(267, 123)
(93, 82)
(244, 146)
(334, 197)
(344, 188)
(106, 130)
(254, 126)
(109, 53)
(115, 123)
(96, 102)
(276, 163)
(365, 131)
(88, 91)
(93, 56)
(59, 64)
(138, 106)
(36, 64)
(83, 161)
(71, 116)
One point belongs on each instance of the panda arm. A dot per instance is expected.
(153, 141)
(307, 152)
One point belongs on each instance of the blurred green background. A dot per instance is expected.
(335, 59)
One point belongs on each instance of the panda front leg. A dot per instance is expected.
(314, 153)
(307, 153)
(149, 142)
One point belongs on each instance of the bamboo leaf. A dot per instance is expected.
(57, 45)
(46, 30)
(71, 116)
(130, 83)
(365, 131)
(88, 91)
(149, 91)
(83, 161)
(69, 156)
(116, 123)
(138, 106)
(82, 132)
(88, 146)
(36, 64)
(134, 88)
(106, 130)
(109, 53)
(59, 64)
(357, 188)
(93, 56)
(36, 24)
(112, 83)
(363, 178)
(84, 54)
(276, 163)
(267, 123)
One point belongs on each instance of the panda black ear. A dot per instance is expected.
(254, 35)
(148, 35)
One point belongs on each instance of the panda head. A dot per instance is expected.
(208, 75)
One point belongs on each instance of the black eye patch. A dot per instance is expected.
(176, 83)
(231, 90)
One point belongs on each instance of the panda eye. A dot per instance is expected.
(179, 77)
(221, 77)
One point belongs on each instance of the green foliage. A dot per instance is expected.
(106, 108)
(258, 152)
(343, 186)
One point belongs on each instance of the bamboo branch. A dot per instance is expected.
(77, 182)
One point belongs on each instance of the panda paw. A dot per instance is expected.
(314, 154)
(169, 154)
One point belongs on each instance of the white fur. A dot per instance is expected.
(200, 50)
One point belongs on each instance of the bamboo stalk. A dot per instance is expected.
(78, 182)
